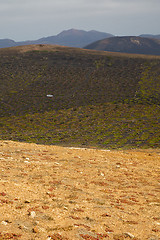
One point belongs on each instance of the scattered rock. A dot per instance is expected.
(124, 236)
(35, 229)
(3, 194)
(127, 234)
(157, 223)
(156, 218)
(155, 230)
(52, 195)
(49, 238)
(23, 227)
(106, 215)
(118, 166)
(4, 223)
(108, 230)
(45, 207)
(32, 214)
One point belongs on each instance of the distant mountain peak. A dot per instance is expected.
(75, 38)
(71, 31)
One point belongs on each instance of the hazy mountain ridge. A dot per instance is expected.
(150, 36)
(127, 44)
(7, 43)
(70, 38)
(81, 39)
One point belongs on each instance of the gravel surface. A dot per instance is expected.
(60, 193)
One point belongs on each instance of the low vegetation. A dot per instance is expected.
(69, 96)
(105, 126)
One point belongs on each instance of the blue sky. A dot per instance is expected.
(33, 19)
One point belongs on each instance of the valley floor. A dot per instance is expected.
(51, 193)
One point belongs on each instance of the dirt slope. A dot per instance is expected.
(49, 192)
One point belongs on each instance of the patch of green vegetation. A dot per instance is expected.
(149, 84)
(101, 126)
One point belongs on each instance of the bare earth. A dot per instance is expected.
(50, 192)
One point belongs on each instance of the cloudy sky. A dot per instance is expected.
(33, 19)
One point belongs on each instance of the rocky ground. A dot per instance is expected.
(58, 193)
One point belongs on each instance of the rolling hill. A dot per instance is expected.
(131, 44)
(69, 96)
(4, 43)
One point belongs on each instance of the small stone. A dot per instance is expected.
(106, 215)
(155, 230)
(156, 218)
(35, 229)
(8, 221)
(45, 207)
(3, 194)
(38, 229)
(21, 226)
(127, 234)
(108, 230)
(118, 166)
(32, 214)
(26, 162)
(4, 223)
(157, 223)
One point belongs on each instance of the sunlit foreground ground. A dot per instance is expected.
(50, 192)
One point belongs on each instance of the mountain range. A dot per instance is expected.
(143, 44)
(70, 38)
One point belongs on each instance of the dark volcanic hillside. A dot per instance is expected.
(74, 78)
(60, 95)
(137, 45)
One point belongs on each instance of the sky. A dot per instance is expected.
(33, 19)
